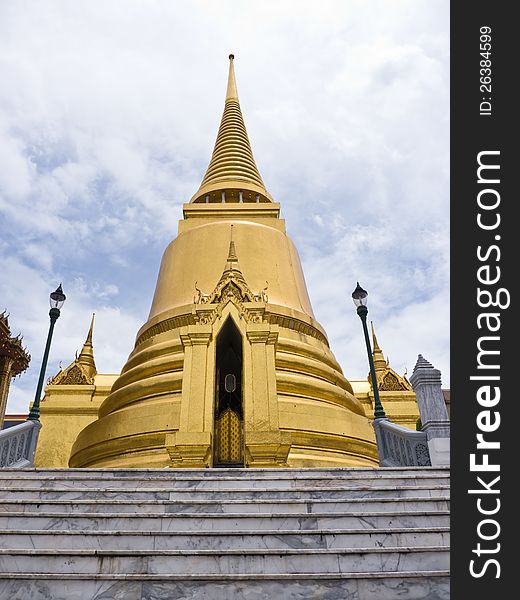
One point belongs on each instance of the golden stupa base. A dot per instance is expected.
(265, 449)
(189, 450)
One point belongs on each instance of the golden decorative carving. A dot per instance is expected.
(253, 315)
(262, 295)
(391, 383)
(74, 376)
(200, 297)
(229, 438)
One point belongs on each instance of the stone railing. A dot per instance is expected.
(399, 446)
(18, 445)
(426, 383)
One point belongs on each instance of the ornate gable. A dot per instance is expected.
(74, 374)
(83, 370)
(231, 287)
(392, 382)
(387, 379)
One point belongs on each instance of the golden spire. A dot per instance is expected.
(231, 93)
(231, 274)
(232, 174)
(232, 255)
(86, 356)
(380, 363)
(232, 266)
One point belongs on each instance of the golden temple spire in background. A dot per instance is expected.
(86, 356)
(232, 174)
(379, 360)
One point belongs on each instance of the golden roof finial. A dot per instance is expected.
(379, 360)
(231, 93)
(89, 334)
(374, 339)
(86, 356)
(233, 273)
(232, 174)
(232, 255)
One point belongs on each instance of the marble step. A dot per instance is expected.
(217, 479)
(414, 585)
(197, 540)
(231, 562)
(178, 483)
(211, 534)
(302, 521)
(238, 472)
(137, 493)
(287, 505)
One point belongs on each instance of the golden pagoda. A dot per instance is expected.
(231, 367)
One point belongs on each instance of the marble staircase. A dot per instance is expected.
(321, 534)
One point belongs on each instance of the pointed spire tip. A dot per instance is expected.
(232, 253)
(231, 93)
(86, 356)
(232, 174)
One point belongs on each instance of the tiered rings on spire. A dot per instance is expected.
(232, 174)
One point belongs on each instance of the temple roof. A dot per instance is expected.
(387, 379)
(232, 174)
(380, 363)
(12, 347)
(83, 369)
(86, 356)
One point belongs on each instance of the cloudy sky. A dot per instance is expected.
(108, 115)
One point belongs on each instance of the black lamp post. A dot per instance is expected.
(56, 299)
(359, 296)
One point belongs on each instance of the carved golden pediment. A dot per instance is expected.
(74, 374)
(230, 285)
(389, 381)
(207, 314)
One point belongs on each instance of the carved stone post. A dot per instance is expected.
(190, 446)
(266, 445)
(426, 383)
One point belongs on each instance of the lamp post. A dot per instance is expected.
(359, 296)
(56, 299)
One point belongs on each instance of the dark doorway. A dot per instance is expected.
(229, 412)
